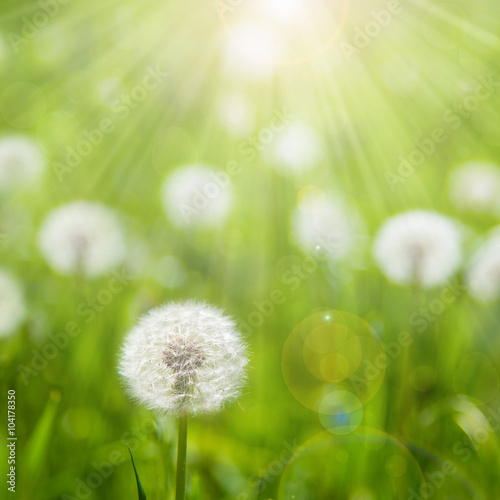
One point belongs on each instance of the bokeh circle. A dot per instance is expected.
(333, 363)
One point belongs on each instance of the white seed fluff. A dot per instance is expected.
(21, 162)
(12, 306)
(475, 187)
(184, 358)
(418, 247)
(197, 195)
(82, 237)
(326, 224)
(483, 271)
(295, 149)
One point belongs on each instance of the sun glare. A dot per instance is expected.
(284, 11)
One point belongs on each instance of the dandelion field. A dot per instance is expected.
(325, 176)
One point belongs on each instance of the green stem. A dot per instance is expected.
(180, 483)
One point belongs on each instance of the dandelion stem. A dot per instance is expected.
(180, 484)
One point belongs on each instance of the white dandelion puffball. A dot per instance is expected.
(475, 186)
(184, 358)
(21, 162)
(483, 272)
(12, 307)
(82, 237)
(327, 224)
(197, 195)
(418, 247)
(295, 149)
(236, 113)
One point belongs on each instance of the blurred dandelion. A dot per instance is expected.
(326, 223)
(236, 113)
(12, 306)
(82, 237)
(418, 247)
(197, 195)
(21, 162)
(483, 272)
(297, 148)
(475, 187)
(184, 359)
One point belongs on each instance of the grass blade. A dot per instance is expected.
(140, 489)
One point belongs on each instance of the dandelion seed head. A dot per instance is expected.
(236, 113)
(184, 358)
(483, 270)
(418, 247)
(82, 237)
(326, 223)
(197, 195)
(295, 149)
(12, 306)
(21, 162)
(475, 187)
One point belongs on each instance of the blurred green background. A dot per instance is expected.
(372, 92)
